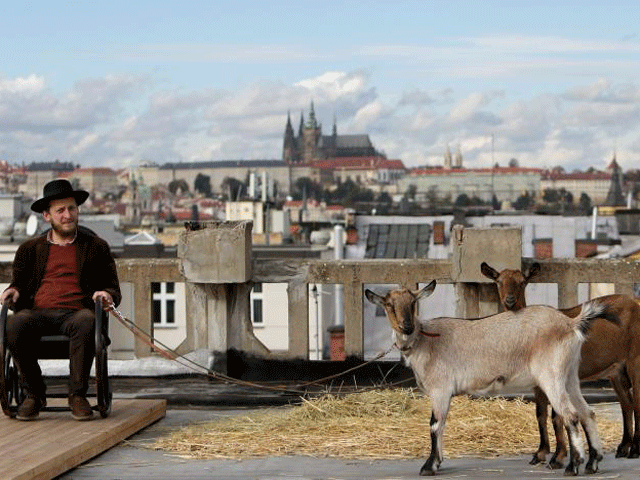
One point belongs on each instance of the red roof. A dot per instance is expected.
(186, 215)
(551, 175)
(362, 163)
(495, 170)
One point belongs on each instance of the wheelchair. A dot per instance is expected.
(55, 347)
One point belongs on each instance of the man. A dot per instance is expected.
(57, 277)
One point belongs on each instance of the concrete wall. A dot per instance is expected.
(218, 315)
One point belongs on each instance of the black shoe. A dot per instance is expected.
(80, 408)
(29, 409)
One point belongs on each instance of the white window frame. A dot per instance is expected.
(257, 296)
(163, 297)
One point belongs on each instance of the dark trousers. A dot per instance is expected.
(24, 330)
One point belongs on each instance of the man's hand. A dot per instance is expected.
(107, 301)
(11, 295)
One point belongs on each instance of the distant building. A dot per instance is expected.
(594, 184)
(506, 183)
(363, 171)
(42, 172)
(97, 181)
(315, 212)
(218, 171)
(310, 145)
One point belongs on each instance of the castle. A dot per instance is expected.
(311, 146)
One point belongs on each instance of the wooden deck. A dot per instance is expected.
(55, 443)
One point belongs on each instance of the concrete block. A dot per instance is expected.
(499, 247)
(217, 252)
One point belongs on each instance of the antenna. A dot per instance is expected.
(32, 225)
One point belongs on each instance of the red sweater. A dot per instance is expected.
(59, 287)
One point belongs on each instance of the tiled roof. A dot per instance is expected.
(353, 141)
(224, 164)
(498, 170)
(548, 175)
(361, 163)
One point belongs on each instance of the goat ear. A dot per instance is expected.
(426, 291)
(533, 271)
(488, 271)
(374, 298)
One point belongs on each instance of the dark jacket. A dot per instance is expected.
(96, 268)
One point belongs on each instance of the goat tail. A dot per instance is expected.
(591, 311)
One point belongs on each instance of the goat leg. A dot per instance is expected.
(575, 459)
(592, 464)
(432, 464)
(557, 459)
(541, 414)
(621, 385)
(594, 455)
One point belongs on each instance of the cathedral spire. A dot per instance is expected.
(615, 198)
(312, 123)
(301, 127)
(288, 131)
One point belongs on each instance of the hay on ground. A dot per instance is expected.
(380, 424)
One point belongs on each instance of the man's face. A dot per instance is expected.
(62, 214)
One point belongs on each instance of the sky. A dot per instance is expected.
(118, 83)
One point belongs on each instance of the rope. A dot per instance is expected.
(171, 354)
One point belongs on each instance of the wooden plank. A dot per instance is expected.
(55, 443)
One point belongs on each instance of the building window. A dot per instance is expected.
(163, 303)
(256, 305)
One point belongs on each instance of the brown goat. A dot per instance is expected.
(610, 351)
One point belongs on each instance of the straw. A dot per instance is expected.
(378, 424)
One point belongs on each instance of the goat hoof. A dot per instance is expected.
(427, 472)
(537, 458)
(591, 466)
(571, 470)
(589, 470)
(554, 464)
(623, 451)
(429, 469)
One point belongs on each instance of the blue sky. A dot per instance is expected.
(117, 83)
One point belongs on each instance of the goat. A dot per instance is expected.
(609, 352)
(536, 346)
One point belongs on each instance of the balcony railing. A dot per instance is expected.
(231, 302)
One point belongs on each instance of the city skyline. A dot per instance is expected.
(114, 84)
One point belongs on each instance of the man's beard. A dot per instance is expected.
(59, 229)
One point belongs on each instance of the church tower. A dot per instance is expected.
(311, 135)
(289, 150)
(615, 197)
(447, 159)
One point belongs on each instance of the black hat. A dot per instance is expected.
(57, 189)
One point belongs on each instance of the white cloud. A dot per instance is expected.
(115, 121)
(84, 143)
(21, 85)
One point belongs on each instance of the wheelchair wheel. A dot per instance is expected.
(6, 387)
(15, 392)
(103, 387)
